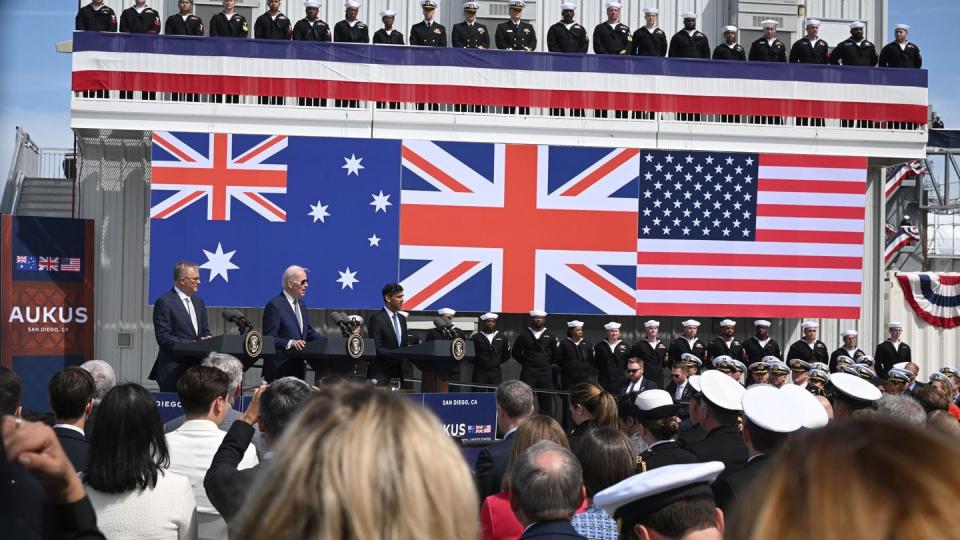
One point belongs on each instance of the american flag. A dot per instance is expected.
(510, 227)
(731, 234)
(901, 172)
(209, 168)
(898, 238)
(49, 264)
(70, 264)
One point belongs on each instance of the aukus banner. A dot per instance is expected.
(46, 298)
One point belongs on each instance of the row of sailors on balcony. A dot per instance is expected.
(609, 37)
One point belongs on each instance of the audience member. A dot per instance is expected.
(848, 480)
(134, 494)
(718, 405)
(591, 406)
(11, 390)
(606, 456)
(945, 386)
(672, 502)
(514, 405)
(234, 368)
(338, 467)
(71, 392)
(902, 408)
(546, 489)
(629, 416)
(497, 520)
(659, 424)
(944, 424)
(272, 408)
(103, 378)
(203, 392)
(850, 394)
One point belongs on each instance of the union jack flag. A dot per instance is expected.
(218, 173)
(49, 264)
(509, 227)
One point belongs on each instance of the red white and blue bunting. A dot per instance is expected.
(935, 297)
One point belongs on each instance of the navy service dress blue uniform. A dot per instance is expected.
(90, 19)
(178, 25)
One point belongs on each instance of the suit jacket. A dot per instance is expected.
(729, 486)
(645, 384)
(491, 465)
(226, 486)
(380, 329)
(723, 444)
(684, 401)
(551, 529)
(171, 326)
(75, 445)
(280, 322)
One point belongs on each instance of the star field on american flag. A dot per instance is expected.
(698, 195)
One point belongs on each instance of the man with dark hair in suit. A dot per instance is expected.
(514, 405)
(388, 330)
(636, 382)
(71, 393)
(285, 318)
(179, 316)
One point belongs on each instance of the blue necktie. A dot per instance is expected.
(396, 328)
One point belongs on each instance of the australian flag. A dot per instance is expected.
(245, 207)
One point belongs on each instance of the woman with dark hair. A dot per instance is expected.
(607, 457)
(133, 494)
(659, 425)
(590, 407)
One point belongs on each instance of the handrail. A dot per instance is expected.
(22, 165)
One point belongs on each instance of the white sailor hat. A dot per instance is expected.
(488, 316)
(688, 15)
(899, 375)
(901, 26)
(769, 23)
(771, 409)
(431, 4)
(901, 365)
(950, 370)
(819, 365)
(935, 376)
(738, 365)
(538, 313)
(651, 324)
(812, 22)
(612, 326)
(848, 333)
(856, 24)
(312, 4)
(797, 364)
(651, 11)
(388, 13)
(612, 4)
(855, 388)
(517, 4)
(355, 319)
(471, 6)
(694, 382)
(691, 322)
(641, 495)
(403, 314)
(810, 324)
(723, 363)
(691, 359)
(819, 374)
(721, 390)
(352, 4)
(813, 413)
(656, 404)
(728, 322)
(734, 30)
(446, 311)
(894, 324)
(574, 324)
(568, 6)
(865, 360)
(758, 322)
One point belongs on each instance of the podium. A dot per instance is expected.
(436, 359)
(248, 348)
(330, 355)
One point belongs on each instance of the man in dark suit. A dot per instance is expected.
(71, 393)
(179, 316)
(271, 409)
(546, 489)
(514, 405)
(286, 320)
(635, 382)
(718, 406)
(388, 331)
(770, 416)
(679, 387)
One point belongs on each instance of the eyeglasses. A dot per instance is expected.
(632, 371)
(304, 282)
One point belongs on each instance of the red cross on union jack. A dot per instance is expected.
(220, 177)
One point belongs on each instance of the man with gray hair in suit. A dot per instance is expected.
(546, 489)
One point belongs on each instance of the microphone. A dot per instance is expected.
(236, 316)
(444, 326)
(342, 321)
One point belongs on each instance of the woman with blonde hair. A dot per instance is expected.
(591, 406)
(497, 520)
(848, 481)
(361, 464)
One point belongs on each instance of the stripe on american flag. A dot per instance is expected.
(804, 259)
